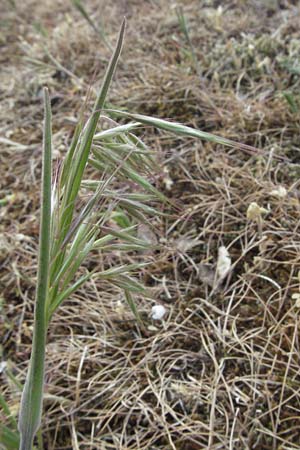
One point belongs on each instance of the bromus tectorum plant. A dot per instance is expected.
(70, 231)
(64, 243)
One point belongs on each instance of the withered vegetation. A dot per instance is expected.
(221, 370)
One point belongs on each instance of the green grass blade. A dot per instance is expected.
(74, 255)
(7, 412)
(123, 247)
(132, 305)
(290, 98)
(124, 269)
(32, 397)
(8, 438)
(69, 157)
(116, 131)
(126, 170)
(85, 141)
(13, 379)
(83, 12)
(126, 236)
(184, 28)
(76, 263)
(128, 283)
(177, 128)
(102, 242)
(75, 165)
(65, 294)
(78, 4)
(139, 206)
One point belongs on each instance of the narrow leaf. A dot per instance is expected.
(180, 129)
(115, 131)
(65, 294)
(85, 142)
(32, 397)
(7, 412)
(132, 306)
(10, 439)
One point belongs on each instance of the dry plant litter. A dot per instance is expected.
(221, 370)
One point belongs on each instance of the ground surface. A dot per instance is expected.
(222, 370)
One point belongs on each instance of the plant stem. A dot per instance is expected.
(32, 397)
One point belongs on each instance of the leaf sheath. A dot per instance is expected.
(32, 397)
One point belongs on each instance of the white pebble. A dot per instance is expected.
(158, 312)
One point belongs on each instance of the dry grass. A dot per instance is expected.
(222, 370)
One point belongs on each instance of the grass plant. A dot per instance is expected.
(64, 243)
(67, 235)
(97, 29)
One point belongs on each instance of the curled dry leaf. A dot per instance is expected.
(254, 211)
(168, 182)
(296, 297)
(223, 263)
(146, 234)
(279, 192)
(206, 274)
(5, 246)
(183, 244)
